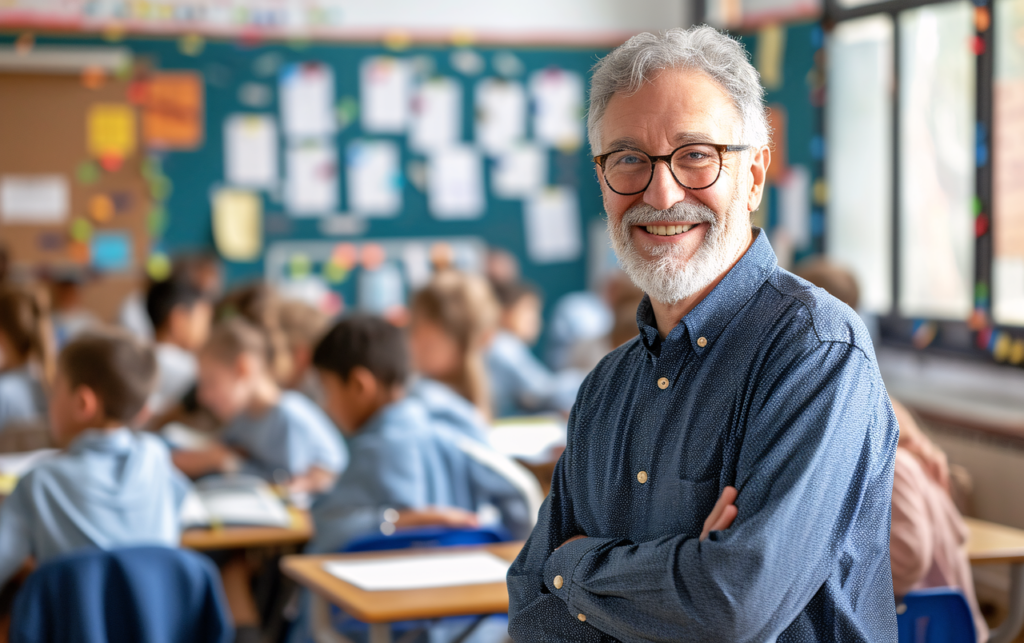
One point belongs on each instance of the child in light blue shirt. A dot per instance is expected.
(281, 436)
(109, 487)
(26, 356)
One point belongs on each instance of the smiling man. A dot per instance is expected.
(746, 385)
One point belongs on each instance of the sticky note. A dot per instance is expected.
(238, 224)
(110, 130)
(158, 266)
(101, 208)
(111, 251)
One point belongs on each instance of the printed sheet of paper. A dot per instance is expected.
(385, 90)
(307, 100)
(421, 572)
(34, 198)
(110, 130)
(557, 96)
(436, 115)
(311, 184)
(520, 172)
(374, 178)
(794, 203)
(238, 224)
(552, 220)
(455, 187)
(500, 108)
(250, 151)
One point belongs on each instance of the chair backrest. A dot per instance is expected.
(153, 594)
(935, 615)
(428, 537)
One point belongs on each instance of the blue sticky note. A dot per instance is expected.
(111, 251)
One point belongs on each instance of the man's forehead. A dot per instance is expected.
(677, 106)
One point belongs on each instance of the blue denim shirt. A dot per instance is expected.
(770, 385)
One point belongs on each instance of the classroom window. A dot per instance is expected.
(1008, 164)
(858, 126)
(937, 161)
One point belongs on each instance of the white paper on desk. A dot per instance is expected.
(374, 178)
(233, 500)
(250, 151)
(311, 187)
(384, 94)
(34, 198)
(520, 172)
(500, 114)
(436, 115)
(552, 220)
(558, 107)
(455, 187)
(182, 436)
(307, 100)
(18, 464)
(421, 572)
(532, 441)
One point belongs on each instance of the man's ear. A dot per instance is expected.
(366, 385)
(758, 175)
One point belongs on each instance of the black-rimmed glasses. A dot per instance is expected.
(695, 166)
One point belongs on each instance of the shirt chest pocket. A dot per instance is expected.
(681, 506)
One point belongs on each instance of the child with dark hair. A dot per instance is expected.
(110, 486)
(26, 356)
(181, 318)
(279, 435)
(521, 383)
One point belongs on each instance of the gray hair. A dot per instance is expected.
(702, 48)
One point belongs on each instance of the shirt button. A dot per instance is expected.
(663, 383)
(582, 618)
(641, 477)
(558, 582)
(702, 341)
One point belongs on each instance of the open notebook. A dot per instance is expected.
(233, 501)
(531, 439)
(425, 571)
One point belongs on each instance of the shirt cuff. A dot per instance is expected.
(560, 568)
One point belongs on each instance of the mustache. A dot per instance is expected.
(682, 212)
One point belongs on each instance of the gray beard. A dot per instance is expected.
(670, 278)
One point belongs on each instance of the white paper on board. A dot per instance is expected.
(34, 198)
(520, 172)
(436, 115)
(307, 100)
(421, 572)
(794, 205)
(311, 187)
(552, 219)
(557, 96)
(250, 151)
(374, 178)
(384, 94)
(455, 187)
(500, 108)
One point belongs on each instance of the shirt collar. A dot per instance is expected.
(402, 412)
(709, 317)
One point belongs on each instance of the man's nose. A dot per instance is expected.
(664, 191)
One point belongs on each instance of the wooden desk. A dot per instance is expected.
(300, 531)
(990, 543)
(380, 609)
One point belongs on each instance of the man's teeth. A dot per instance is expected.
(669, 230)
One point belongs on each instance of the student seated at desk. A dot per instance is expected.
(520, 383)
(181, 322)
(26, 356)
(407, 470)
(281, 436)
(452, 320)
(303, 325)
(110, 486)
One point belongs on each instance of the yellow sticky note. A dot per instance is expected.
(238, 224)
(771, 49)
(110, 129)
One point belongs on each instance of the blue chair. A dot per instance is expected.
(426, 537)
(152, 594)
(935, 615)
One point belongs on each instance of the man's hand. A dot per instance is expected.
(723, 514)
(721, 517)
(452, 517)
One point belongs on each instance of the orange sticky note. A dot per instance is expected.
(172, 117)
(101, 208)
